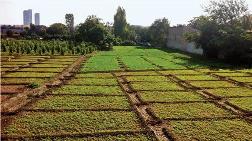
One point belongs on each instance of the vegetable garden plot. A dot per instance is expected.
(5, 69)
(101, 63)
(164, 64)
(169, 96)
(48, 66)
(118, 137)
(53, 62)
(235, 130)
(212, 84)
(216, 70)
(161, 86)
(41, 69)
(181, 72)
(140, 73)
(188, 110)
(137, 63)
(23, 80)
(15, 63)
(89, 90)
(29, 74)
(231, 92)
(196, 77)
(42, 123)
(244, 103)
(242, 79)
(129, 50)
(147, 78)
(246, 70)
(232, 74)
(93, 81)
(94, 75)
(82, 102)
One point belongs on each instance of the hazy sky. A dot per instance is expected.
(139, 12)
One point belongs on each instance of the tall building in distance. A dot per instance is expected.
(37, 19)
(27, 17)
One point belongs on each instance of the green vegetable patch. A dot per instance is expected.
(169, 96)
(128, 137)
(94, 75)
(242, 79)
(93, 81)
(144, 73)
(162, 86)
(137, 63)
(42, 69)
(82, 102)
(30, 74)
(181, 72)
(212, 84)
(188, 110)
(106, 90)
(232, 74)
(41, 123)
(229, 92)
(244, 103)
(49, 66)
(196, 77)
(147, 78)
(165, 64)
(221, 130)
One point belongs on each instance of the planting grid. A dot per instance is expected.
(133, 93)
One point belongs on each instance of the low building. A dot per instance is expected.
(176, 40)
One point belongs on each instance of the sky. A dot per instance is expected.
(138, 12)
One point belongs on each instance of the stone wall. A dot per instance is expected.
(176, 40)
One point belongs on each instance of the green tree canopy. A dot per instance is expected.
(57, 29)
(159, 31)
(120, 23)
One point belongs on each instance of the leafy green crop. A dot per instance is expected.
(188, 110)
(156, 86)
(164, 63)
(147, 78)
(137, 63)
(23, 80)
(212, 84)
(40, 123)
(93, 81)
(71, 89)
(170, 96)
(196, 77)
(180, 72)
(242, 79)
(82, 102)
(244, 103)
(227, 92)
(30, 74)
(42, 69)
(94, 75)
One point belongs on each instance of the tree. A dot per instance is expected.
(70, 22)
(57, 30)
(120, 23)
(159, 32)
(223, 33)
(227, 12)
(94, 31)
